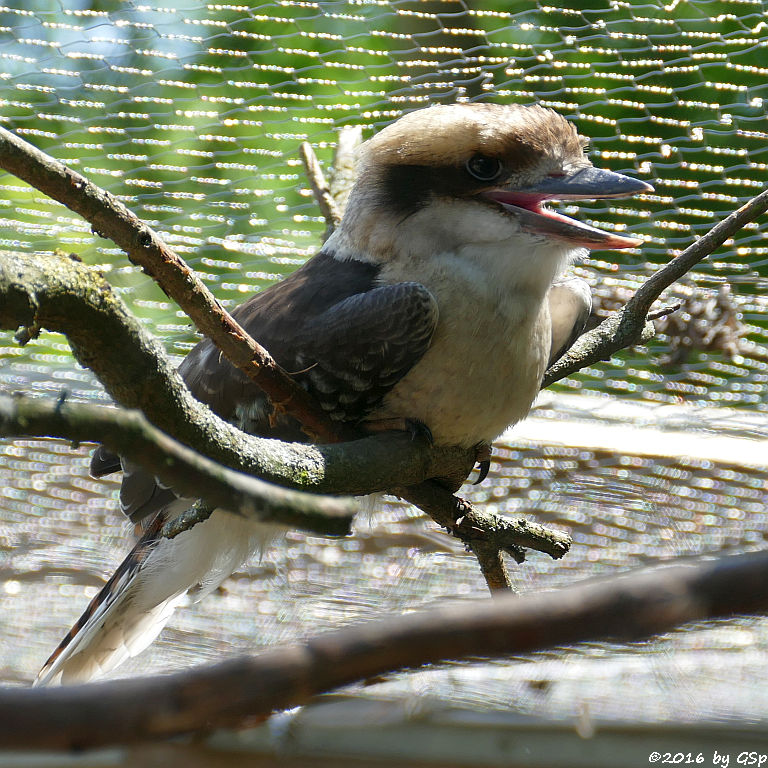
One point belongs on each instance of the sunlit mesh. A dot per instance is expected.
(193, 117)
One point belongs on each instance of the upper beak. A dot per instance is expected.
(586, 183)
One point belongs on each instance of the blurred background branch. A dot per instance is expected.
(229, 694)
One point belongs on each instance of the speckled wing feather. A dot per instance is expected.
(347, 342)
(334, 329)
(353, 354)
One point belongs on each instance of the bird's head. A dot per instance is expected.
(476, 174)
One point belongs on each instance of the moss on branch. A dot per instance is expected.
(176, 466)
(62, 294)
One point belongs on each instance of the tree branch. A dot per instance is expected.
(493, 568)
(630, 325)
(320, 188)
(62, 294)
(111, 219)
(177, 466)
(473, 526)
(630, 607)
(344, 170)
(145, 248)
(191, 473)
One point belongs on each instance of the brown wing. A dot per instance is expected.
(353, 354)
(344, 339)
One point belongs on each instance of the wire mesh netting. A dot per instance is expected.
(193, 116)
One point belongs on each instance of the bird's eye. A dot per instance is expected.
(484, 168)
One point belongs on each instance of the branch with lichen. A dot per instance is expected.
(177, 466)
(62, 294)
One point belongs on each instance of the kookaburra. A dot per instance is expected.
(439, 301)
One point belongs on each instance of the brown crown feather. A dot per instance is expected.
(451, 134)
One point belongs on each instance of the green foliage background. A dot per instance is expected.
(193, 115)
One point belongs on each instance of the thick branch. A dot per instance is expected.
(389, 456)
(628, 326)
(62, 294)
(178, 467)
(628, 607)
(110, 218)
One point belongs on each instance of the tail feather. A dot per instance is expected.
(153, 580)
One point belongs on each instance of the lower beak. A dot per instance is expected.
(527, 205)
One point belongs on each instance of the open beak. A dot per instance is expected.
(589, 183)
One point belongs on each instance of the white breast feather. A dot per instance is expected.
(492, 342)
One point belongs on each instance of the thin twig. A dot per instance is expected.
(492, 567)
(626, 326)
(651, 289)
(657, 314)
(344, 171)
(632, 606)
(320, 188)
(470, 525)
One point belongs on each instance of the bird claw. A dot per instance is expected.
(483, 461)
(419, 431)
(483, 467)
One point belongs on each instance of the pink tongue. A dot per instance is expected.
(532, 202)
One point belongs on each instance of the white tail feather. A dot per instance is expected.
(100, 648)
(154, 579)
